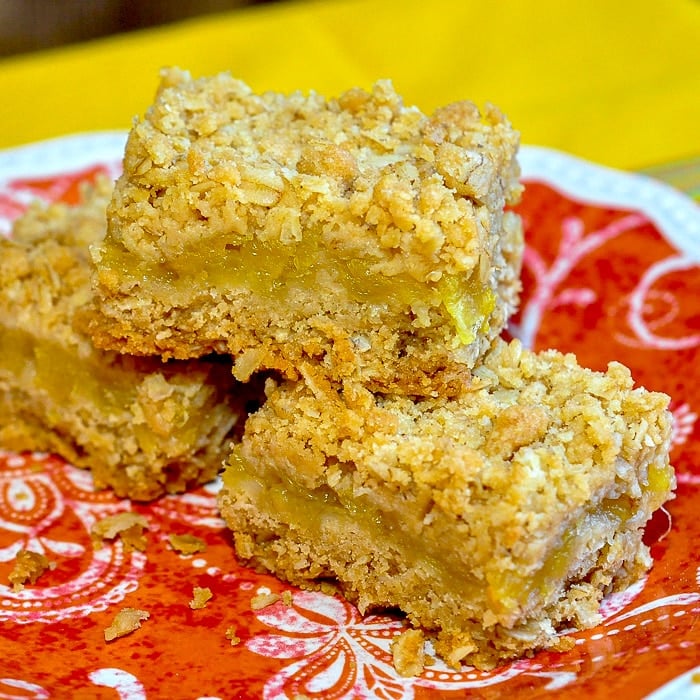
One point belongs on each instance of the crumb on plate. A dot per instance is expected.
(232, 636)
(187, 544)
(408, 652)
(126, 621)
(200, 597)
(127, 526)
(28, 567)
(263, 600)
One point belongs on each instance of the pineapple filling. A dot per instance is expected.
(660, 480)
(516, 591)
(60, 373)
(65, 379)
(272, 271)
(509, 591)
(312, 511)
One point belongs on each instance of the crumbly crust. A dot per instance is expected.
(328, 185)
(142, 426)
(531, 491)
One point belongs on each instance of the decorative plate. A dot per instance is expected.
(611, 271)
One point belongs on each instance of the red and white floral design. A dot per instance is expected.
(49, 507)
(610, 272)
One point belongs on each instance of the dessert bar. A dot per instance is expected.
(351, 238)
(492, 520)
(143, 427)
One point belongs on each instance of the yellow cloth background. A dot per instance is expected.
(614, 82)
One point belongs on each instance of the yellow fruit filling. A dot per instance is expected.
(660, 480)
(64, 378)
(311, 510)
(509, 591)
(61, 373)
(271, 271)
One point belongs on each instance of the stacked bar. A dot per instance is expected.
(355, 238)
(363, 253)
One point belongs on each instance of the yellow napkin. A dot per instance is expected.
(616, 82)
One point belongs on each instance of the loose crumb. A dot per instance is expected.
(200, 597)
(562, 644)
(129, 527)
(126, 621)
(232, 636)
(408, 650)
(187, 544)
(287, 598)
(28, 567)
(263, 600)
(454, 647)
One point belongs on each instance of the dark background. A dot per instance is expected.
(31, 25)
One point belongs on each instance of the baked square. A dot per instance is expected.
(143, 427)
(493, 520)
(350, 238)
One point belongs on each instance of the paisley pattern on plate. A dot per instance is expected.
(612, 271)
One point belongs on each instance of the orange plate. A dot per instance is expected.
(611, 272)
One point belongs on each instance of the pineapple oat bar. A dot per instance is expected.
(142, 426)
(348, 238)
(492, 520)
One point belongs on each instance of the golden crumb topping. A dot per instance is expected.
(211, 156)
(44, 265)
